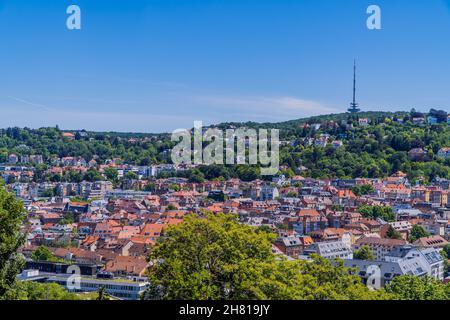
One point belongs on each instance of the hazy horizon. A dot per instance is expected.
(204, 124)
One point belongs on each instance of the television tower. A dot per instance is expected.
(354, 107)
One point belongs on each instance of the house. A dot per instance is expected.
(89, 243)
(434, 261)
(153, 230)
(373, 225)
(24, 158)
(268, 193)
(352, 217)
(290, 246)
(330, 250)
(77, 255)
(379, 247)
(403, 227)
(77, 207)
(431, 242)
(68, 135)
(333, 234)
(308, 220)
(50, 218)
(364, 121)
(280, 180)
(444, 153)
(432, 120)
(409, 261)
(418, 120)
(37, 159)
(13, 159)
(103, 230)
(127, 266)
(439, 197)
(417, 154)
(321, 141)
(138, 246)
(337, 144)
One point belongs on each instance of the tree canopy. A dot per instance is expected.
(364, 253)
(11, 238)
(418, 288)
(29, 290)
(417, 232)
(393, 234)
(42, 253)
(215, 257)
(374, 212)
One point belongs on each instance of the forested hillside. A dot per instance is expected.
(372, 144)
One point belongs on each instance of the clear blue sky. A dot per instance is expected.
(158, 65)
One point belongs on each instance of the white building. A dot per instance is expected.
(331, 250)
(444, 153)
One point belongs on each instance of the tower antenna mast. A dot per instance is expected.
(354, 106)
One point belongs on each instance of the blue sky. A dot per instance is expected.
(158, 65)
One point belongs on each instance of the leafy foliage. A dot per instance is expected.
(418, 288)
(42, 253)
(29, 290)
(374, 212)
(364, 253)
(374, 151)
(363, 190)
(215, 257)
(11, 218)
(393, 234)
(417, 232)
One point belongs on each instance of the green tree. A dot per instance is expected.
(92, 175)
(131, 175)
(42, 253)
(417, 288)
(393, 234)
(215, 257)
(175, 187)
(151, 187)
(48, 193)
(446, 249)
(11, 218)
(374, 212)
(417, 232)
(102, 294)
(364, 253)
(363, 190)
(111, 174)
(445, 254)
(291, 194)
(218, 196)
(200, 258)
(171, 207)
(29, 290)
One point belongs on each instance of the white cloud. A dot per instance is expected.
(180, 113)
(269, 108)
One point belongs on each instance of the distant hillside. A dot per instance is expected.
(369, 144)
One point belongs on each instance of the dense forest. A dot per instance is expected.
(375, 149)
